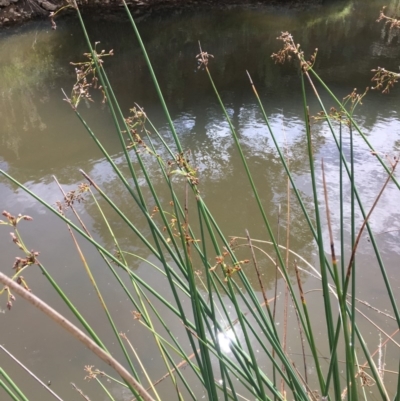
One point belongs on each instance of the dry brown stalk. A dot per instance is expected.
(77, 333)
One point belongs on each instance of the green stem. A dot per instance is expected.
(327, 303)
(8, 391)
(13, 385)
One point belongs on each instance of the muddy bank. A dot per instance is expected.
(14, 12)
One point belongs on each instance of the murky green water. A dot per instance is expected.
(40, 137)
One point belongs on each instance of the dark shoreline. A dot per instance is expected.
(16, 12)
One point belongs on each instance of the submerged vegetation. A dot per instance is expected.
(215, 330)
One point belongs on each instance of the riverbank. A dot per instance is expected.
(15, 12)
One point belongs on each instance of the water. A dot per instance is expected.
(40, 137)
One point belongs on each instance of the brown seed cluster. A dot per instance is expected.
(226, 268)
(384, 79)
(350, 102)
(391, 23)
(136, 123)
(12, 220)
(290, 50)
(20, 263)
(30, 259)
(202, 59)
(86, 78)
(76, 195)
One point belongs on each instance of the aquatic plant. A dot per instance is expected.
(209, 295)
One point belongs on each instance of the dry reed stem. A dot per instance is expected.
(257, 269)
(72, 207)
(80, 392)
(77, 333)
(353, 253)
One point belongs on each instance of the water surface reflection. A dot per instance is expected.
(40, 137)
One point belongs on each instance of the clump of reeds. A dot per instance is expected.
(209, 294)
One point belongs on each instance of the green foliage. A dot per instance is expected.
(209, 294)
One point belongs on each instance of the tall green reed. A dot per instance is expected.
(193, 237)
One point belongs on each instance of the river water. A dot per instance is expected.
(41, 137)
